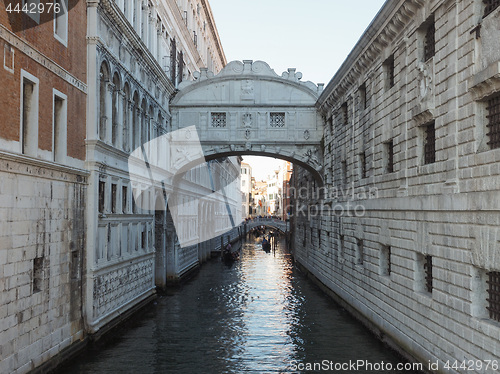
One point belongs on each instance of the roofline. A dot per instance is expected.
(215, 32)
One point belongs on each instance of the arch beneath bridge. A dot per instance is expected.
(247, 109)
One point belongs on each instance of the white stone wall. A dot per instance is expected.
(447, 209)
(41, 249)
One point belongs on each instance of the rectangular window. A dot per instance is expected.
(389, 72)
(114, 196)
(277, 119)
(124, 199)
(362, 165)
(390, 156)
(143, 240)
(362, 97)
(59, 128)
(493, 117)
(428, 273)
(494, 295)
(385, 260)
(429, 143)
(102, 193)
(490, 6)
(218, 119)
(430, 40)
(37, 274)
(344, 172)
(344, 113)
(61, 21)
(359, 252)
(29, 114)
(341, 247)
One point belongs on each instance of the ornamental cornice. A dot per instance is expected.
(384, 29)
(141, 52)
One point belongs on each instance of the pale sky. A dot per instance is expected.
(312, 36)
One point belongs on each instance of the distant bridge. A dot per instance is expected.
(268, 222)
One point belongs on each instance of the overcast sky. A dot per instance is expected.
(312, 36)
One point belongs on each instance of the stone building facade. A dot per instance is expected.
(42, 184)
(406, 236)
(138, 53)
(78, 252)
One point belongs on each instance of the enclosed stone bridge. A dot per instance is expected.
(247, 109)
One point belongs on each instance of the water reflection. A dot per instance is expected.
(257, 316)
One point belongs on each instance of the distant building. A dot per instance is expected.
(246, 189)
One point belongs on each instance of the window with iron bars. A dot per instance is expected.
(277, 119)
(219, 119)
(490, 6)
(362, 96)
(390, 156)
(389, 72)
(428, 273)
(430, 143)
(493, 125)
(385, 260)
(360, 252)
(430, 41)
(494, 295)
(344, 113)
(362, 164)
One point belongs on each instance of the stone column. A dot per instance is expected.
(144, 27)
(120, 118)
(130, 128)
(108, 101)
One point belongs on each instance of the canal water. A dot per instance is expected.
(257, 315)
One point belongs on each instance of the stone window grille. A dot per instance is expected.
(390, 156)
(428, 273)
(430, 41)
(490, 6)
(493, 125)
(218, 119)
(494, 295)
(277, 119)
(430, 143)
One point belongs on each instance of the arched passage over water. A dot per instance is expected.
(247, 109)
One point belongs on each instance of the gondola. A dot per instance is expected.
(266, 246)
